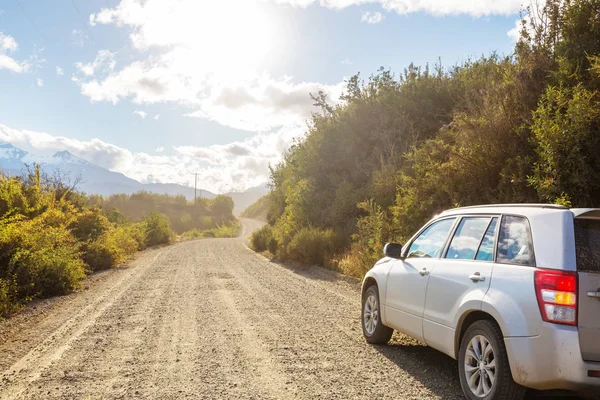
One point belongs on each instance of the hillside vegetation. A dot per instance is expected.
(258, 210)
(205, 215)
(399, 149)
(51, 237)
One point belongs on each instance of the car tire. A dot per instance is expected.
(479, 365)
(373, 329)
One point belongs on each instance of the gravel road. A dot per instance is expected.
(211, 319)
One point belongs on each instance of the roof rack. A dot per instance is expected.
(530, 205)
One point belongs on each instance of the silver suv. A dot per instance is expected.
(511, 291)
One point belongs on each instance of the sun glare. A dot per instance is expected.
(220, 35)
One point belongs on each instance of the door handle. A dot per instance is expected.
(476, 277)
(595, 295)
(424, 272)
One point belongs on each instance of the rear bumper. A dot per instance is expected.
(551, 360)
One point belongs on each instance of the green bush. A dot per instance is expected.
(137, 232)
(110, 249)
(42, 260)
(272, 245)
(89, 225)
(229, 230)
(158, 229)
(193, 234)
(312, 246)
(260, 238)
(8, 303)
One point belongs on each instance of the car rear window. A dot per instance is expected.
(587, 244)
(514, 241)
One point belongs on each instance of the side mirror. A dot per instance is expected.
(393, 250)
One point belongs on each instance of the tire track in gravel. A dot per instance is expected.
(30, 368)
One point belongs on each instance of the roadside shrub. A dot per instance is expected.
(158, 229)
(260, 238)
(193, 234)
(89, 225)
(354, 262)
(113, 247)
(272, 245)
(229, 230)
(8, 303)
(373, 231)
(312, 246)
(232, 229)
(137, 232)
(42, 260)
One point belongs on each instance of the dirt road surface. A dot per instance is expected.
(211, 319)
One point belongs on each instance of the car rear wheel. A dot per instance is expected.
(483, 365)
(373, 329)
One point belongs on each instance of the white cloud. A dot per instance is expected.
(221, 168)
(157, 116)
(372, 17)
(159, 149)
(347, 61)
(141, 114)
(59, 71)
(79, 37)
(9, 45)
(40, 82)
(104, 61)
(262, 104)
(475, 8)
(203, 57)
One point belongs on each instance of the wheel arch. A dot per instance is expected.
(466, 320)
(376, 277)
(367, 283)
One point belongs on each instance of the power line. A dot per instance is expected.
(83, 19)
(30, 20)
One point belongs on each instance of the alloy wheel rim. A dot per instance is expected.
(371, 314)
(480, 366)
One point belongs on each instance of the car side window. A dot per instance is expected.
(467, 238)
(430, 242)
(486, 249)
(514, 241)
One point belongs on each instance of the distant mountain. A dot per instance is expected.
(98, 180)
(243, 200)
(94, 179)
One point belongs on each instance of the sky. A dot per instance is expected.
(162, 89)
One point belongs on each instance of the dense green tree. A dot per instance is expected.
(395, 151)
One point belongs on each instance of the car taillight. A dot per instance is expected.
(557, 295)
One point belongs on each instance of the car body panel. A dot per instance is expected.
(405, 295)
(450, 294)
(550, 360)
(589, 315)
(512, 301)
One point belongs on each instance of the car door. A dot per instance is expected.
(459, 279)
(407, 279)
(587, 243)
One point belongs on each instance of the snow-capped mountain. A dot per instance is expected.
(94, 179)
(98, 180)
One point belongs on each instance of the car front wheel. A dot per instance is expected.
(483, 365)
(373, 329)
